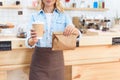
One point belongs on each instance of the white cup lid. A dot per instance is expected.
(38, 22)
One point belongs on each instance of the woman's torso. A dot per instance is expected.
(58, 24)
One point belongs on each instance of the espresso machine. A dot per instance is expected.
(98, 24)
(79, 24)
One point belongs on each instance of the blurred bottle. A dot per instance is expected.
(103, 3)
(100, 3)
(74, 4)
(67, 0)
(95, 4)
(67, 3)
(34, 3)
(2, 2)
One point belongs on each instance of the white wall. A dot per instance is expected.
(112, 5)
(11, 15)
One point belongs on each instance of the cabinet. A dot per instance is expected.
(103, 71)
(94, 63)
(98, 61)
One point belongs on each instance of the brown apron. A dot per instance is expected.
(47, 65)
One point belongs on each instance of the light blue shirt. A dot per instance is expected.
(58, 23)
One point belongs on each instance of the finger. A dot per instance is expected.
(33, 33)
(33, 36)
(66, 31)
(75, 31)
(43, 31)
(72, 31)
(32, 30)
(35, 40)
(69, 31)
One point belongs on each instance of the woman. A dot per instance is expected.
(47, 64)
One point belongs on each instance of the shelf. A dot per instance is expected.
(35, 8)
(86, 9)
(79, 9)
(10, 7)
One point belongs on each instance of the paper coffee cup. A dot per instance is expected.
(39, 28)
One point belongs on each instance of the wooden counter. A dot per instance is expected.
(95, 59)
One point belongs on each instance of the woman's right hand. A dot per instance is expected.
(33, 38)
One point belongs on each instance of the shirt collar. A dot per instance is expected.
(55, 10)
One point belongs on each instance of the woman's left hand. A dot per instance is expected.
(70, 30)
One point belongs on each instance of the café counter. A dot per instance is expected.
(96, 58)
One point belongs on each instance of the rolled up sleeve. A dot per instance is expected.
(29, 27)
(70, 23)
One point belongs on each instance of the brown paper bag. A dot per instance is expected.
(61, 42)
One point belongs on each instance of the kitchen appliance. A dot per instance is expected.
(21, 33)
(98, 24)
(79, 23)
